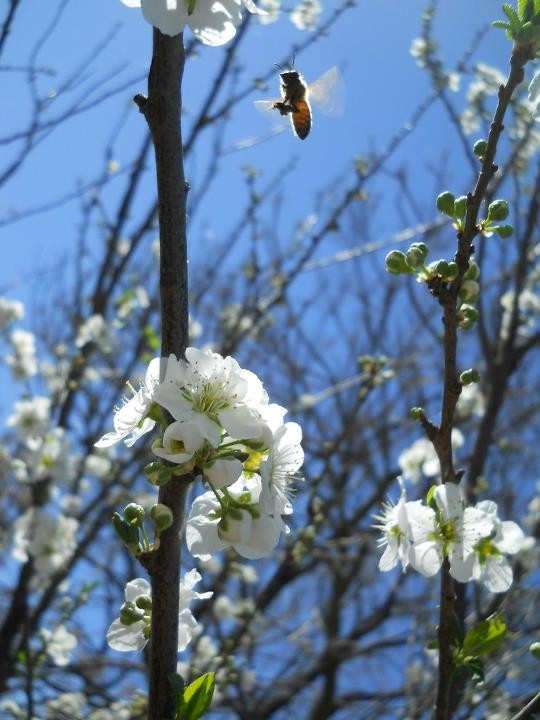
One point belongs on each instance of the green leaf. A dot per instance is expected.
(510, 13)
(484, 637)
(176, 681)
(502, 24)
(190, 5)
(197, 697)
(503, 231)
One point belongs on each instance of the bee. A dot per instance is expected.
(326, 92)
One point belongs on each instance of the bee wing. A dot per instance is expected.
(266, 106)
(328, 92)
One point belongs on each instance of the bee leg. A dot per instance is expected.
(284, 108)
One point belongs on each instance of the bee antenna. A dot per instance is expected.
(293, 59)
(278, 66)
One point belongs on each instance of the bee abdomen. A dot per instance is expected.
(301, 119)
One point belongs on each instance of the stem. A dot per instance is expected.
(448, 697)
(162, 111)
(444, 637)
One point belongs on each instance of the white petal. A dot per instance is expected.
(264, 538)
(169, 16)
(186, 627)
(497, 574)
(460, 569)
(450, 500)
(426, 557)
(136, 588)
(389, 557)
(509, 538)
(126, 638)
(218, 26)
(202, 532)
(223, 473)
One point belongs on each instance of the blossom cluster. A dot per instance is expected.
(473, 539)
(218, 425)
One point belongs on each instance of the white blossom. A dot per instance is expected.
(130, 421)
(131, 630)
(95, 330)
(394, 525)
(49, 540)
(59, 644)
(31, 417)
(491, 567)
(22, 360)
(306, 15)
(421, 459)
(272, 9)
(452, 531)
(10, 311)
(67, 705)
(213, 23)
(534, 95)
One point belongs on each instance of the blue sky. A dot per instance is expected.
(371, 43)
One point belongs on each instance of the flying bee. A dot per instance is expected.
(327, 93)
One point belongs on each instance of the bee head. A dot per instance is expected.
(289, 77)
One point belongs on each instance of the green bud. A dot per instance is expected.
(162, 516)
(497, 210)
(130, 614)
(417, 413)
(479, 148)
(417, 254)
(158, 474)
(430, 498)
(445, 203)
(134, 514)
(534, 649)
(460, 207)
(446, 270)
(129, 534)
(470, 376)
(144, 602)
(396, 263)
(469, 291)
(467, 316)
(504, 231)
(473, 271)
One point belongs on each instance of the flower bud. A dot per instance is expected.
(129, 534)
(130, 614)
(460, 207)
(134, 513)
(467, 316)
(396, 263)
(470, 376)
(479, 148)
(445, 203)
(158, 474)
(417, 413)
(417, 254)
(144, 602)
(446, 270)
(162, 516)
(473, 271)
(497, 210)
(469, 291)
(534, 649)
